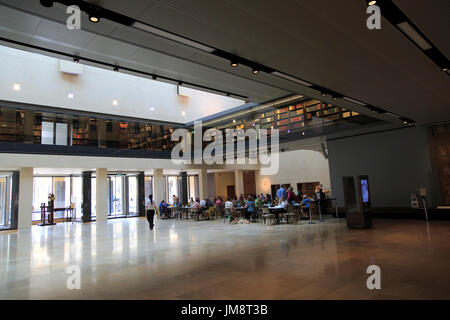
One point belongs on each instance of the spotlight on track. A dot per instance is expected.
(76, 60)
(116, 69)
(94, 18)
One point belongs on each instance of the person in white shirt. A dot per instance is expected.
(283, 202)
(228, 204)
(150, 208)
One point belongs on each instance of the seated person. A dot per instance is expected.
(203, 203)
(228, 204)
(208, 203)
(251, 211)
(258, 202)
(164, 210)
(305, 204)
(191, 202)
(218, 202)
(197, 204)
(236, 202)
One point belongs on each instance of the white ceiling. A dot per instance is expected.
(324, 42)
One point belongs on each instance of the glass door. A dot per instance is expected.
(5, 201)
(132, 195)
(116, 195)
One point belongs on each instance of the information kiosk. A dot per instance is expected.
(357, 202)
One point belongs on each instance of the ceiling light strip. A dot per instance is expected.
(291, 78)
(398, 19)
(171, 36)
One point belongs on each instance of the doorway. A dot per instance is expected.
(122, 195)
(5, 201)
(231, 191)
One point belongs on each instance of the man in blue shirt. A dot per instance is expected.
(281, 193)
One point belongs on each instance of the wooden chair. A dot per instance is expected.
(291, 215)
(313, 210)
(267, 216)
(228, 215)
(193, 213)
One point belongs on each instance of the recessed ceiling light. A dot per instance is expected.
(70, 95)
(255, 71)
(234, 64)
(234, 120)
(115, 102)
(16, 87)
(183, 113)
(371, 3)
(94, 19)
(152, 108)
(323, 94)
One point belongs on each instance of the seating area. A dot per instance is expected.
(264, 209)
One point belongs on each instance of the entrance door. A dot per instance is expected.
(231, 191)
(116, 195)
(5, 194)
(132, 196)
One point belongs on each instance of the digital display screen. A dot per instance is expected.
(365, 190)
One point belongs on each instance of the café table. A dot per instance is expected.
(241, 210)
(276, 210)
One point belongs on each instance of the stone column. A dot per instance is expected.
(238, 182)
(158, 186)
(203, 183)
(25, 198)
(101, 194)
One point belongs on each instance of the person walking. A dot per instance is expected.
(150, 209)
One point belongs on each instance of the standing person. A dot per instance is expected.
(269, 199)
(150, 207)
(281, 193)
(291, 195)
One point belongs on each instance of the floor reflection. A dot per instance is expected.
(123, 259)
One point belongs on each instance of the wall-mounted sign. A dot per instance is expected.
(414, 200)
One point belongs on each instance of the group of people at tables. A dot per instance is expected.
(249, 206)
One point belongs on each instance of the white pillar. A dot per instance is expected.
(158, 186)
(238, 182)
(25, 198)
(203, 183)
(101, 195)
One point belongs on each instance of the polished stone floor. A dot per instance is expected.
(123, 259)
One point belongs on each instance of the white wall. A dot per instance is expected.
(297, 166)
(42, 83)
